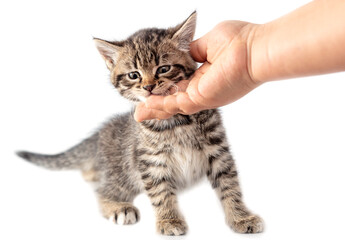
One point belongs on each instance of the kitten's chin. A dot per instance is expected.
(142, 98)
(159, 93)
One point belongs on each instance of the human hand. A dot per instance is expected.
(224, 77)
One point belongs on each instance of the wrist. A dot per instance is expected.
(257, 54)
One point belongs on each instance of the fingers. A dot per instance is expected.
(167, 104)
(193, 90)
(170, 106)
(198, 49)
(181, 87)
(173, 104)
(143, 113)
(186, 104)
(159, 107)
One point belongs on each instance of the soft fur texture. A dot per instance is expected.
(159, 157)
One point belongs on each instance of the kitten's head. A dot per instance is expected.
(151, 61)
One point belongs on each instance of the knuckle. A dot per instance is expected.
(170, 105)
(188, 109)
(166, 116)
(171, 110)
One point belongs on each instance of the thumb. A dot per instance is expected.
(198, 49)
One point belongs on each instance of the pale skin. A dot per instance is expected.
(239, 56)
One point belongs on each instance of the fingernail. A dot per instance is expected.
(136, 118)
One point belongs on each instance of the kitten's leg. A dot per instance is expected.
(90, 175)
(122, 213)
(162, 193)
(223, 177)
(89, 172)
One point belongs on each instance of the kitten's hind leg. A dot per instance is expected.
(122, 213)
(90, 175)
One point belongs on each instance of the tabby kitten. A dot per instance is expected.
(159, 157)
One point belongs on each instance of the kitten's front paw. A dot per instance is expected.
(173, 227)
(125, 215)
(251, 224)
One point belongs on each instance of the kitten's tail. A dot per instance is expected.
(76, 157)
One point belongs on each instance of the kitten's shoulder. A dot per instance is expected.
(207, 116)
(120, 122)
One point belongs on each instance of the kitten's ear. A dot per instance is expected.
(184, 32)
(109, 51)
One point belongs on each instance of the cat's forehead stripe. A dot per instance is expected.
(145, 57)
(145, 45)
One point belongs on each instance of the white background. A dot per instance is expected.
(287, 136)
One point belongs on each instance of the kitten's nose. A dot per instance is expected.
(149, 87)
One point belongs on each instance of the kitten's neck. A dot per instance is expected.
(179, 120)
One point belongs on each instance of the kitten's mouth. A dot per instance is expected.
(161, 92)
(143, 98)
(157, 94)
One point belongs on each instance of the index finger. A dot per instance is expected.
(173, 104)
(142, 113)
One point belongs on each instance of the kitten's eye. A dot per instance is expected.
(163, 69)
(134, 75)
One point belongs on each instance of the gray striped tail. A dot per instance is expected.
(74, 158)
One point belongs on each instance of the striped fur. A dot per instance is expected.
(159, 157)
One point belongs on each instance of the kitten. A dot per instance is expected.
(159, 157)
